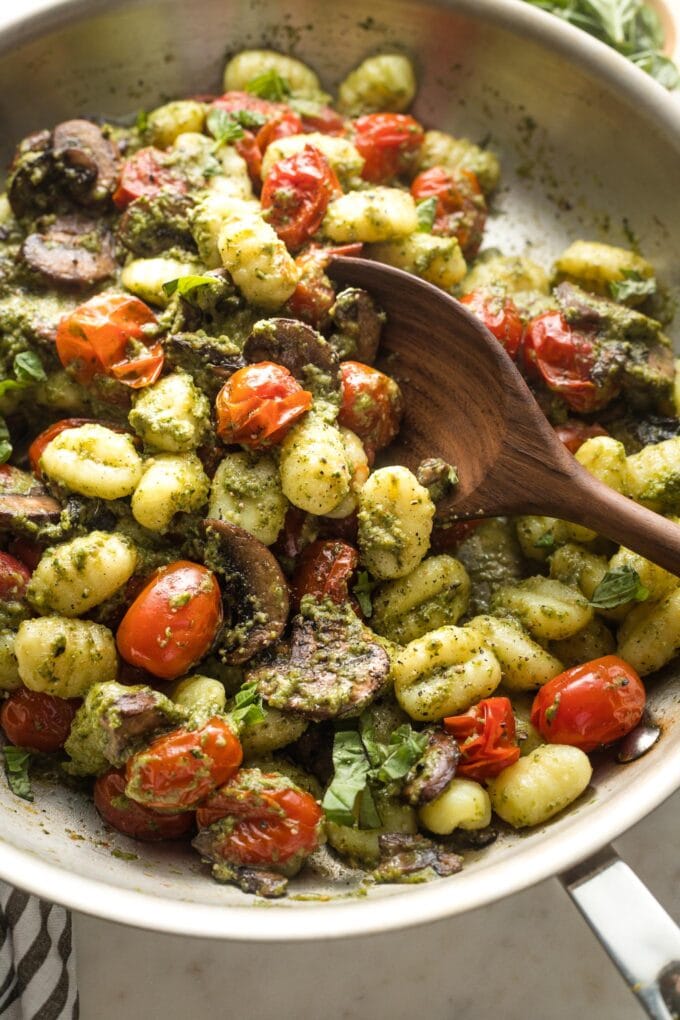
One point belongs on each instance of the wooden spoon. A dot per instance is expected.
(467, 403)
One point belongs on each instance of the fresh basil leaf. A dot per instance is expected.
(142, 121)
(184, 285)
(426, 212)
(350, 778)
(406, 746)
(545, 541)
(269, 85)
(632, 285)
(223, 126)
(369, 817)
(617, 587)
(248, 709)
(17, 760)
(250, 119)
(362, 591)
(5, 441)
(28, 368)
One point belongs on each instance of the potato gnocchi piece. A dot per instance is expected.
(385, 81)
(595, 266)
(247, 65)
(464, 804)
(145, 277)
(516, 274)
(492, 556)
(9, 667)
(202, 696)
(438, 260)
(171, 483)
(166, 122)
(444, 672)
(357, 463)
(525, 665)
(574, 565)
(605, 458)
(442, 149)
(594, 641)
(214, 209)
(64, 657)
(655, 579)
(650, 634)
(276, 730)
(315, 475)
(547, 608)
(73, 577)
(654, 475)
(540, 785)
(94, 461)
(376, 214)
(234, 181)
(538, 536)
(246, 491)
(172, 414)
(343, 156)
(395, 522)
(259, 263)
(432, 595)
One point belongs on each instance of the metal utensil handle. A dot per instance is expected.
(640, 937)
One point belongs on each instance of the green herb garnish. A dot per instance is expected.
(223, 126)
(269, 85)
(350, 779)
(363, 590)
(632, 285)
(5, 442)
(426, 212)
(27, 368)
(247, 710)
(142, 121)
(184, 285)
(395, 759)
(617, 587)
(546, 541)
(17, 760)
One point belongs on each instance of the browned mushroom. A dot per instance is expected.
(208, 360)
(249, 880)
(331, 668)
(403, 856)
(85, 160)
(256, 599)
(134, 714)
(300, 349)
(358, 324)
(30, 175)
(24, 502)
(72, 252)
(434, 770)
(153, 223)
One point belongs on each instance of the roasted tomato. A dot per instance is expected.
(269, 820)
(590, 705)
(258, 404)
(314, 295)
(145, 174)
(460, 210)
(173, 621)
(388, 142)
(14, 576)
(574, 434)
(500, 316)
(284, 123)
(106, 336)
(372, 405)
(324, 570)
(239, 102)
(179, 770)
(296, 193)
(324, 120)
(37, 721)
(486, 736)
(446, 537)
(134, 819)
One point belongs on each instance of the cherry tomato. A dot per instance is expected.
(460, 210)
(27, 552)
(590, 705)
(133, 819)
(574, 433)
(105, 336)
(272, 819)
(278, 120)
(388, 142)
(500, 316)
(144, 174)
(372, 405)
(296, 193)
(324, 120)
(486, 735)
(237, 102)
(173, 621)
(14, 576)
(314, 295)
(35, 450)
(284, 123)
(258, 404)
(37, 720)
(324, 570)
(179, 770)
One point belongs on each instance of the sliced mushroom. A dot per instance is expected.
(24, 501)
(30, 175)
(300, 349)
(331, 668)
(86, 161)
(402, 856)
(433, 772)
(358, 324)
(437, 476)
(153, 223)
(249, 880)
(72, 252)
(208, 360)
(256, 604)
(135, 713)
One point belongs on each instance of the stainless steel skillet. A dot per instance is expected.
(589, 149)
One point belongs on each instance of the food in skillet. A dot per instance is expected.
(223, 610)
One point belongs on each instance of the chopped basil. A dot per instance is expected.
(617, 587)
(269, 85)
(247, 710)
(363, 590)
(426, 211)
(17, 760)
(632, 285)
(27, 368)
(546, 541)
(394, 760)
(350, 778)
(223, 126)
(184, 285)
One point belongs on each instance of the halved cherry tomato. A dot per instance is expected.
(324, 120)
(324, 570)
(250, 151)
(105, 336)
(314, 295)
(486, 735)
(179, 770)
(144, 174)
(258, 404)
(372, 405)
(14, 577)
(35, 450)
(296, 193)
(37, 720)
(133, 819)
(282, 118)
(574, 433)
(173, 621)
(235, 102)
(27, 552)
(273, 820)
(388, 142)
(500, 316)
(461, 209)
(591, 704)
(283, 124)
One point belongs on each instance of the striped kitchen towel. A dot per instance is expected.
(37, 964)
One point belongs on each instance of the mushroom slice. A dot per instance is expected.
(73, 252)
(249, 880)
(434, 770)
(86, 160)
(300, 349)
(208, 360)
(331, 668)
(23, 500)
(404, 857)
(256, 604)
(358, 324)
(28, 185)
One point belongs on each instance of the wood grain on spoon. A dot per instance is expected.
(467, 402)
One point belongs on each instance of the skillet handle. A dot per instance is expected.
(640, 937)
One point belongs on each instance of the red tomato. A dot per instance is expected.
(35, 450)
(296, 193)
(324, 570)
(249, 150)
(273, 820)
(325, 120)
(105, 336)
(314, 295)
(235, 102)
(449, 536)
(574, 433)
(564, 359)
(372, 405)
(36, 720)
(284, 123)
(173, 621)
(144, 174)
(590, 705)
(279, 121)
(388, 142)
(14, 576)
(179, 770)
(499, 315)
(136, 820)
(461, 209)
(258, 404)
(29, 553)
(486, 735)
